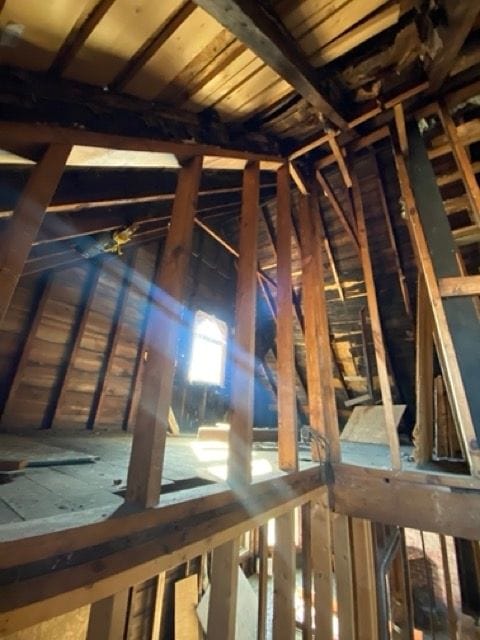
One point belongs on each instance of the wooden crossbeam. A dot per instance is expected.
(286, 395)
(378, 342)
(337, 152)
(148, 445)
(261, 32)
(459, 286)
(16, 241)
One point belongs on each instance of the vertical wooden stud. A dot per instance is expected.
(283, 624)
(108, 617)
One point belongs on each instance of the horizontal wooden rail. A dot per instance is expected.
(460, 286)
(62, 563)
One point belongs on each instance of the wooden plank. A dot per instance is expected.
(16, 241)
(262, 581)
(423, 431)
(461, 15)
(331, 259)
(157, 606)
(456, 321)
(259, 30)
(321, 554)
(83, 27)
(241, 421)
(451, 612)
(298, 178)
(286, 393)
(186, 599)
(152, 45)
(27, 346)
(108, 617)
(459, 286)
(377, 334)
(222, 607)
(58, 404)
(343, 565)
(366, 614)
(367, 424)
(329, 194)
(432, 508)
(307, 576)
(463, 163)
(284, 573)
(148, 445)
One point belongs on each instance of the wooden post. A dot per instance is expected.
(241, 422)
(379, 347)
(423, 432)
(157, 606)
(307, 550)
(343, 563)
(108, 617)
(283, 624)
(148, 445)
(287, 415)
(321, 552)
(222, 606)
(366, 614)
(23, 226)
(223, 602)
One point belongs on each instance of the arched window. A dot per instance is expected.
(209, 347)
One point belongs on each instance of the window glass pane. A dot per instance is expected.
(207, 363)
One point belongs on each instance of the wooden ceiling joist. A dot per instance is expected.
(263, 34)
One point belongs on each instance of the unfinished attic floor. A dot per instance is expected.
(69, 482)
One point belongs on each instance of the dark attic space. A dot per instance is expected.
(240, 320)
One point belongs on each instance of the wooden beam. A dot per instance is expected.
(376, 494)
(157, 606)
(81, 30)
(16, 241)
(241, 421)
(366, 614)
(149, 48)
(330, 195)
(284, 578)
(148, 445)
(34, 133)
(337, 152)
(423, 432)
(461, 16)
(262, 33)
(108, 617)
(287, 415)
(459, 286)
(298, 178)
(262, 581)
(307, 575)
(377, 334)
(343, 566)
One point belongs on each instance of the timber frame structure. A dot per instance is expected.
(347, 214)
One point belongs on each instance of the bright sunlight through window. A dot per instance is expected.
(209, 346)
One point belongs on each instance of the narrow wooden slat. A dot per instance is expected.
(186, 599)
(286, 395)
(157, 606)
(283, 623)
(321, 552)
(307, 550)
(108, 617)
(262, 581)
(222, 607)
(241, 421)
(365, 580)
(423, 432)
(463, 163)
(378, 343)
(401, 129)
(343, 562)
(447, 576)
(23, 226)
(328, 191)
(337, 152)
(148, 445)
